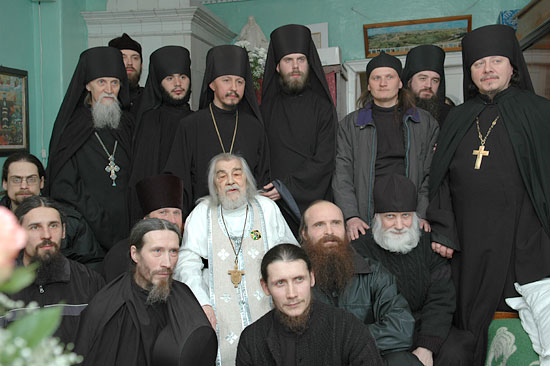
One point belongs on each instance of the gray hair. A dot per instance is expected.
(213, 198)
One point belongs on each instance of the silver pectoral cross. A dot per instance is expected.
(112, 168)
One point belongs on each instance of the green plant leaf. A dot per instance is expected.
(37, 325)
(20, 278)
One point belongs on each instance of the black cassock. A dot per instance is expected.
(497, 217)
(78, 176)
(152, 145)
(196, 143)
(301, 131)
(117, 328)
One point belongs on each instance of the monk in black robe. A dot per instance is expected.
(133, 62)
(164, 104)
(300, 121)
(144, 318)
(229, 120)
(89, 160)
(424, 75)
(489, 212)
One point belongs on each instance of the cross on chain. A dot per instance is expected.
(480, 154)
(112, 168)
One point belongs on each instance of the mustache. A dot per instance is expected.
(163, 272)
(233, 186)
(232, 93)
(491, 76)
(330, 237)
(106, 95)
(46, 243)
(23, 191)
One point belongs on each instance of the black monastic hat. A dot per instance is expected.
(125, 42)
(425, 57)
(394, 193)
(293, 38)
(493, 40)
(384, 60)
(165, 61)
(229, 60)
(160, 191)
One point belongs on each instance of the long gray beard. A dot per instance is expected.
(396, 243)
(106, 115)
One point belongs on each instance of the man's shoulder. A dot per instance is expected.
(200, 209)
(265, 203)
(260, 326)
(82, 271)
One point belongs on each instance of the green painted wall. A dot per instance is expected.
(346, 17)
(17, 51)
(64, 36)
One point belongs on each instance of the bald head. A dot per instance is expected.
(320, 219)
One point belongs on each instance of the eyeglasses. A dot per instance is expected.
(31, 179)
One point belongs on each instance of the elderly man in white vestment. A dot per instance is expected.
(231, 230)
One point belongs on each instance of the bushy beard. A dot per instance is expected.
(431, 105)
(396, 243)
(159, 292)
(168, 99)
(50, 263)
(230, 204)
(333, 266)
(106, 115)
(295, 324)
(294, 86)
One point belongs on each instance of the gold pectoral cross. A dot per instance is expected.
(480, 154)
(236, 276)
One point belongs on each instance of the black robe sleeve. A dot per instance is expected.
(441, 216)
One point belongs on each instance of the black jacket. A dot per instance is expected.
(71, 289)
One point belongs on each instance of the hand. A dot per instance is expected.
(424, 224)
(354, 226)
(424, 355)
(442, 250)
(210, 315)
(271, 192)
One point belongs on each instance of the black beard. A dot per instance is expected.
(431, 105)
(295, 324)
(169, 100)
(50, 266)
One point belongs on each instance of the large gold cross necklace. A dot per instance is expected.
(218, 131)
(481, 152)
(236, 274)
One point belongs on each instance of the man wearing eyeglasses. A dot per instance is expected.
(22, 177)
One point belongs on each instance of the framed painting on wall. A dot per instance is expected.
(397, 38)
(14, 111)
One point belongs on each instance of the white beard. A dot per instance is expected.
(396, 243)
(230, 204)
(106, 115)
